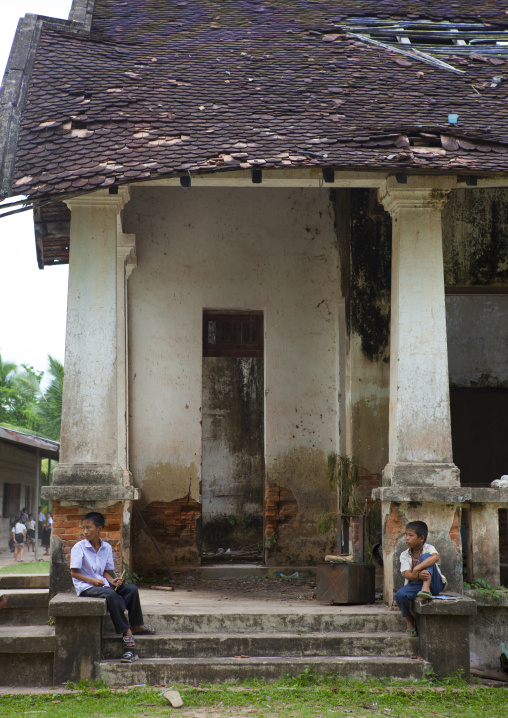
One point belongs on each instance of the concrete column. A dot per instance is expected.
(420, 447)
(483, 556)
(93, 443)
(126, 261)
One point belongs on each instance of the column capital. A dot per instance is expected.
(101, 198)
(420, 192)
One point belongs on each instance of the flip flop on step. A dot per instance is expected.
(426, 596)
(145, 630)
(411, 632)
(129, 641)
(128, 657)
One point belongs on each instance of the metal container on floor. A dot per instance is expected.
(345, 583)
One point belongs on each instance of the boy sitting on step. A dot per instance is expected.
(91, 562)
(419, 566)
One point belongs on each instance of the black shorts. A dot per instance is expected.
(19, 538)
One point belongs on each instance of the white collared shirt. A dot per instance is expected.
(91, 563)
(406, 562)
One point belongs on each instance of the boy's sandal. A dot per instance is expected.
(129, 641)
(426, 596)
(145, 630)
(412, 632)
(128, 657)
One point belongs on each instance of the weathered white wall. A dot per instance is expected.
(477, 327)
(259, 249)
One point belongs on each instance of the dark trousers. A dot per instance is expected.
(409, 592)
(125, 598)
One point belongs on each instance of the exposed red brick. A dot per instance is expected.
(173, 522)
(281, 508)
(394, 528)
(455, 530)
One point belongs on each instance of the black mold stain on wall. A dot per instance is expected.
(366, 261)
(475, 238)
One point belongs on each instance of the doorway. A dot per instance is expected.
(233, 471)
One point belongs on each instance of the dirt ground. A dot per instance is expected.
(274, 589)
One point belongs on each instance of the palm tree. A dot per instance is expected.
(8, 376)
(49, 406)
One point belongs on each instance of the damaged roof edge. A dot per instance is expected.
(16, 80)
(411, 52)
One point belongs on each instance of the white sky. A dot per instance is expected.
(32, 301)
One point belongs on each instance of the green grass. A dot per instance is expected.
(306, 696)
(27, 567)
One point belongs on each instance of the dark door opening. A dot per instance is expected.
(479, 433)
(233, 472)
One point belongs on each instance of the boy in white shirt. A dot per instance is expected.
(418, 565)
(91, 563)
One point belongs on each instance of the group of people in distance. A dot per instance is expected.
(23, 532)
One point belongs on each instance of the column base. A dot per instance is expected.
(91, 474)
(421, 474)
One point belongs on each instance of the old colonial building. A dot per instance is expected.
(287, 231)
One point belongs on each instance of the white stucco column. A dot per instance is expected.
(420, 447)
(94, 424)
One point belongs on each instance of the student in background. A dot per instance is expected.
(19, 538)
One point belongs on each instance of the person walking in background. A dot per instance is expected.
(40, 521)
(46, 533)
(19, 538)
(30, 533)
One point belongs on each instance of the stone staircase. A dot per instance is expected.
(206, 641)
(225, 646)
(27, 642)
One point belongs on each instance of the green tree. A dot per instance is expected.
(19, 395)
(25, 405)
(49, 406)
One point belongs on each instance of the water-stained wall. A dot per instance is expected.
(265, 249)
(233, 471)
(365, 241)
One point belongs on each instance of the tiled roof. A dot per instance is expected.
(165, 86)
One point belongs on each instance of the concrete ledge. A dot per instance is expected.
(465, 606)
(24, 580)
(90, 495)
(68, 605)
(27, 639)
(443, 633)
(441, 494)
(484, 600)
(29, 598)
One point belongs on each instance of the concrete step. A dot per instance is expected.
(25, 607)
(166, 671)
(224, 645)
(27, 639)
(24, 580)
(26, 655)
(331, 621)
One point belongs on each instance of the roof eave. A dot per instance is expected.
(18, 72)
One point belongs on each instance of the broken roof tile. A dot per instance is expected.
(142, 111)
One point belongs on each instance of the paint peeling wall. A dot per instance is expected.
(260, 249)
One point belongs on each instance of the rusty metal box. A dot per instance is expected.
(345, 583)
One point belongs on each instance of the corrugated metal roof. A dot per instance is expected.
(48, 449)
